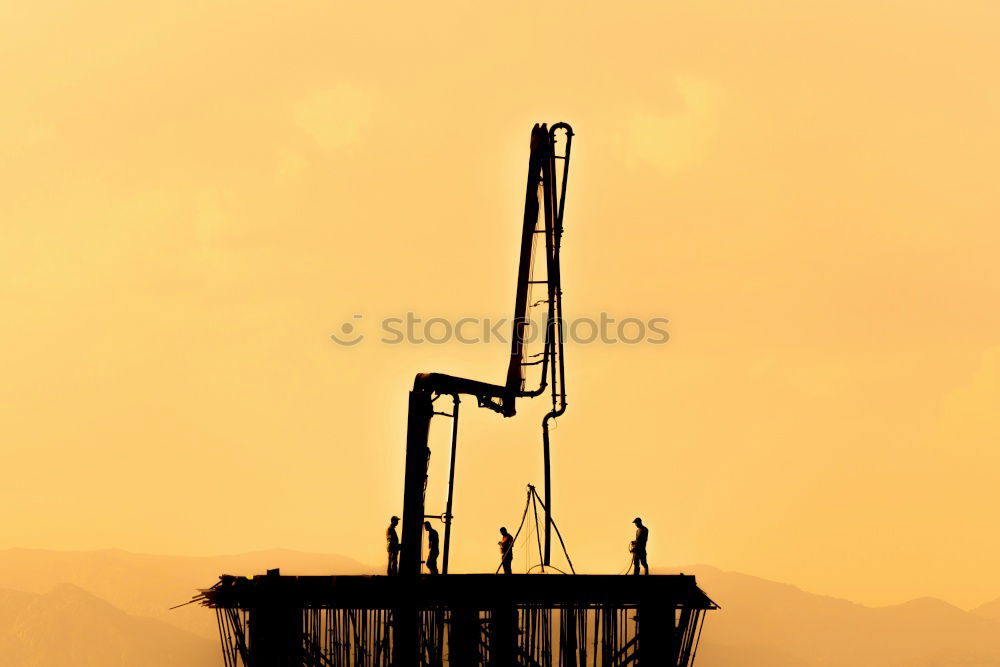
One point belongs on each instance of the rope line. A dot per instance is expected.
(562, 543)
(533, 501)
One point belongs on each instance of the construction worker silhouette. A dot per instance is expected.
(432, 548)
(638, 546)
(506, 550)
(392, 547)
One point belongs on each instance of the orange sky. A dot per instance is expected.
(194, 196)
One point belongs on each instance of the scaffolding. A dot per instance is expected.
(498, 620)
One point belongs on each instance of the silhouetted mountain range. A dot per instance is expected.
(767, 623)
(149, 585)
(990, 610)
(110, 608)
(69, 626)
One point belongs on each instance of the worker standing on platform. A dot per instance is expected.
(432, 548)
(392, 547)
(638, 547)
(506, 550)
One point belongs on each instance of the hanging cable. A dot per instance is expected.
(532, 501)
(543, 566)
(558, 534)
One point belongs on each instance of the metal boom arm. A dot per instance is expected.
(546, 193)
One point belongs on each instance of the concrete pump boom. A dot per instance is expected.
(545, 193)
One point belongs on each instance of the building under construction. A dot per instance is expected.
(413, 619)
(459, 619)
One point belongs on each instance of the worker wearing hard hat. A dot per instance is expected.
(638, 546)
(392, 547)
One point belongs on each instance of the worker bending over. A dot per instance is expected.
(432, 548)
(392, 547)
(506, 550)
(638, 547)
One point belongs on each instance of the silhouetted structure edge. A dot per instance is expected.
(472, 619)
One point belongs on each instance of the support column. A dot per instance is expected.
(658, 643)
(451, 483)
(464, 635)
(415, 481)
(568, 648)
(503, 635)
(275, 632)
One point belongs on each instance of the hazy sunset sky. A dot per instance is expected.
(194, 196)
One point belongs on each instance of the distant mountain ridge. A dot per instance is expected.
(111, 608)
(990, 610)
(149, 585)
(767, 623)
(69, 626)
